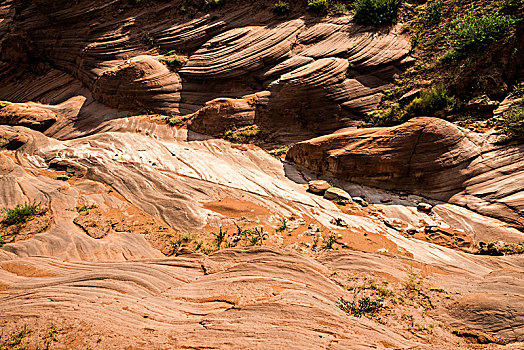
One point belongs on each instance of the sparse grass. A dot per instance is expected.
(180, 241)
(475, 30)
(318, 6)
(388, 116)
(502, 248)
(15, 340)
(244, 134)
(376, 12)
(21, 213)
(383, 292)
(173, 60)
(85, 207)
(414, 280)
(281, 8)
(363, 307)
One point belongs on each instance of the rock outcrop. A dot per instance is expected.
(427, 156)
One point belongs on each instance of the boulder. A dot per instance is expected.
(425, 207)
(336, 193)
(318, 186)
(360, 201)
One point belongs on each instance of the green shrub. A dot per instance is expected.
(2, 105)
(21, 213)
(376, 12)
(365, 306)
(318, 6)
(474, 31)
(513, 122)
(392, 115)
(431, 101)
(433, 12)
(339, 9)
(281, 8)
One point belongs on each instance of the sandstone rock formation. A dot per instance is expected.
(156, 236)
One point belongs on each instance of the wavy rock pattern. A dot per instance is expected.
(229, 57)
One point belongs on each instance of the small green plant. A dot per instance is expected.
(474, 31)
(244, 134)
(377, 12)
(281, 8)
(339, 9)
(329, 241)
(364, 306)
(318, 6)
(282, 226)
(257, 236)
(433, 12)
(21, 213)
(2, 242)
(220, 237)
(2, 105)
(431, 101)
